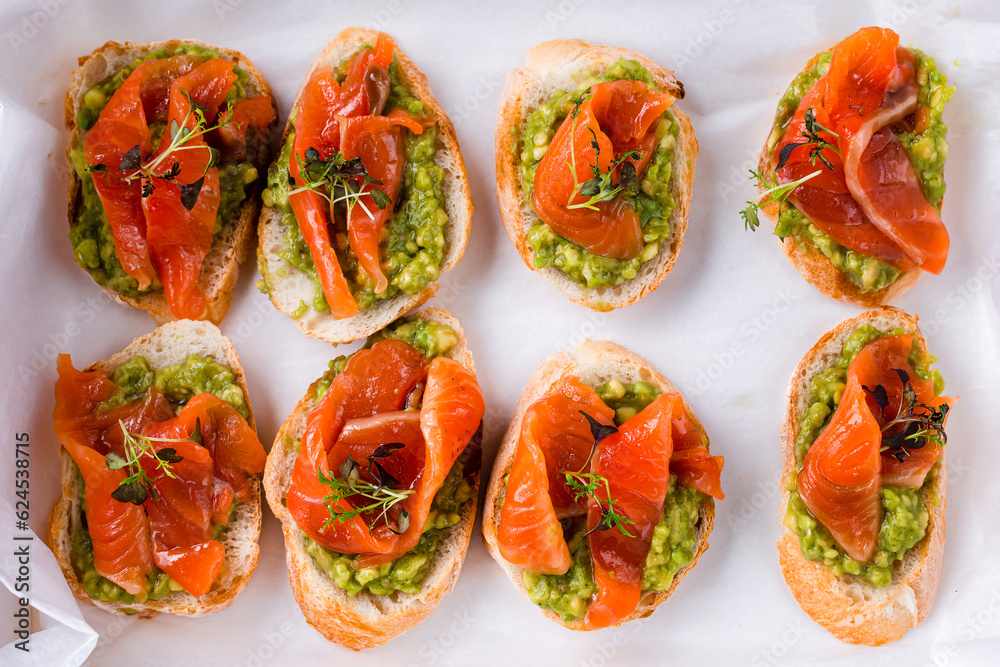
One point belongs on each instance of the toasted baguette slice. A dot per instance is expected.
(289, 287)
(221, 266)
(170, 344)
(814, 266)
(594, 362)
(562, 64)
(364, 620)
(853, 611)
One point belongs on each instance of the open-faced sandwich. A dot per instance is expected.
(594, 167)
(863, 502)
(161, 506)
(368, 201)
(168, 145)
(601, 497)
(375, 479)
(852, 173)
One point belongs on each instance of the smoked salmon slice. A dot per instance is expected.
(180, 517)
(119, 531)
(555, 438)
(845, 467)
(635, 461)
(690, 459)
(253, 112)
(868, 198)
(230, 443)
(339, 117)
(121, 126)
(157, 79)
(619, 117)
(529, 535)
(378, 142)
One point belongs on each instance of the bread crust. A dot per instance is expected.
(289, 287)
(221, 266)
(594, 362)
(852, 611)
(816, 267)
(364, 620)
(170, 344)
(548, 67)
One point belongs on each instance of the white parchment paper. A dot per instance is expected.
(728, 325)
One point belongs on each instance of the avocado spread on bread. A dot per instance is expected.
(905, 515)
(178, 383)
(653, 202)
(674, 537)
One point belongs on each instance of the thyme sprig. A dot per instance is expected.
(137, 487)
(778, 192)
(921, 423)
(601, 187)
(588, 484)
(381, 494)
(338, 180)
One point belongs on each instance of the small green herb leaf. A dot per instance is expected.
(131, 491)
(169, 455)
(590, 188)
(384, 451)
(597, 429)
(381, 199)
(114, 462)
(131, 160)
(190, 192)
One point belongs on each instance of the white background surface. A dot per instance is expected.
(728, 325)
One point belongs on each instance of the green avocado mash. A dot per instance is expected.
(905, 518)
(674, 537)
(178, 383)
(91, 236)
(406, 573)
(412, 243)
(927, 152)
(653, 203)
